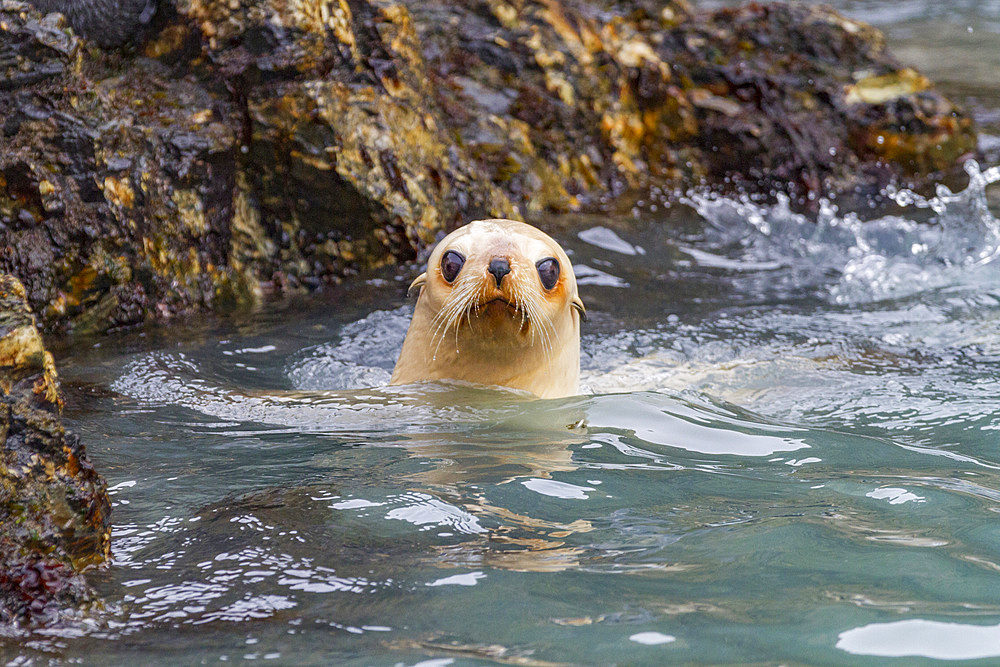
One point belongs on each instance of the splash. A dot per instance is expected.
(946, 237)
(363, 357)
(168, 380)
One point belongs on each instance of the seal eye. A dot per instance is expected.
(451, 264)
(548, 271)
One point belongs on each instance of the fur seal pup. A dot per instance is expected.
(498, 305)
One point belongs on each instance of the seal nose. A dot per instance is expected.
(499, 267)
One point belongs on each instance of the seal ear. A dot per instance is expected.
(418, 283)
(578, 304)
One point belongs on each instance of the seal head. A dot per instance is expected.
(498, 305)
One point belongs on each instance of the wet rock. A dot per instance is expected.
(54, 507)
(107, 22)
(261, 145)
(117, 185)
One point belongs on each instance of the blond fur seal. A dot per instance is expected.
(498, 305)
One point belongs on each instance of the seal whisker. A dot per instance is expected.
(523, 305)
(515, 295)
(531, 312)
(451, 314)
(546, 330)
(519, 330)
(465, 301)
(477, 302)
(522, 302)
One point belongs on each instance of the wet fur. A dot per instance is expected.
(519, 335)
(466, 301)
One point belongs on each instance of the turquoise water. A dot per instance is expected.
(787, 452)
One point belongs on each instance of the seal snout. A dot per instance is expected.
(499, 267)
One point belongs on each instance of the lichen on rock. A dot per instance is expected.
(258, 146)
(54, 507)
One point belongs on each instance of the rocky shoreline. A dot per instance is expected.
(55, 514)
(245, 148)
(225, 150)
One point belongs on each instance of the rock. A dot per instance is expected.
(54, 507)
(107, 22)
(258, 146)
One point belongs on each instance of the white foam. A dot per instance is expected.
(607, 239)
(895, 496)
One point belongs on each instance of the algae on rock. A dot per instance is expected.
(252, 146)
(54, 508)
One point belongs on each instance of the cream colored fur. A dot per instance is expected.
(519, 335)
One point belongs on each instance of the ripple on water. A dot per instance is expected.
(802, 476)
(887, 258)
(363, 357)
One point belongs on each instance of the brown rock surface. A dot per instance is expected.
(252, 146)
(54, 507)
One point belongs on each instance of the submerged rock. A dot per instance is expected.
(262, 145)
(54, 507)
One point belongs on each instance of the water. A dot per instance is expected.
(786, 452)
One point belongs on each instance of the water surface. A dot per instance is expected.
(786, 450)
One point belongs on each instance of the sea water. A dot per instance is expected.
(786, 450)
